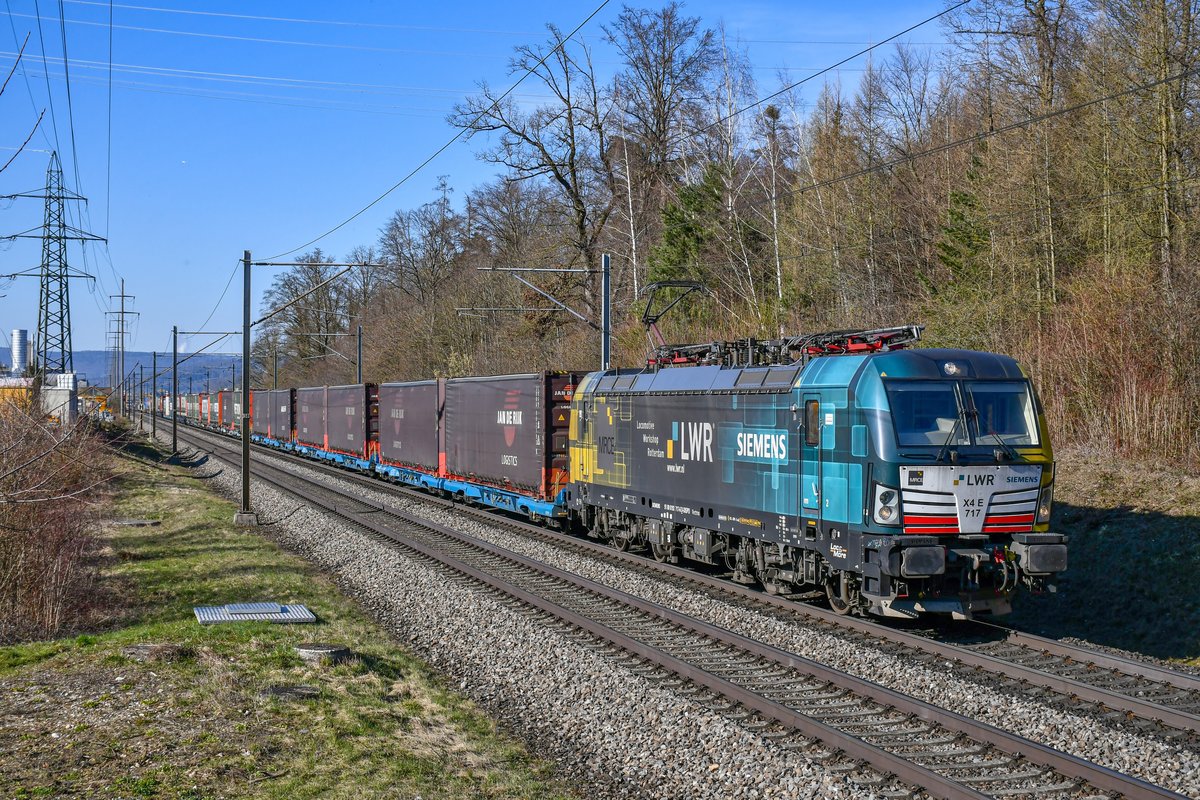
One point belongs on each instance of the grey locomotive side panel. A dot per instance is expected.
(346, 417)
(310, 416)
(725, 462)
(493, 429)
(408, 424)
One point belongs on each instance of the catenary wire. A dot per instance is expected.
(462, 132)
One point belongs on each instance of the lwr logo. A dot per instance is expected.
(691, 441)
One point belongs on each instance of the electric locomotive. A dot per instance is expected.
(899, 481)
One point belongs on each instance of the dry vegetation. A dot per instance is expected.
(50, 482)
(1028, 189)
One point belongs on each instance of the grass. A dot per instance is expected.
(81, 716)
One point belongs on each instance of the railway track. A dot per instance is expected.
(1144, 693)
(924, 746)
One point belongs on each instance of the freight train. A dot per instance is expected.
(899, 482)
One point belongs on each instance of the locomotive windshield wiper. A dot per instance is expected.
(1009, 451)
(961, 419)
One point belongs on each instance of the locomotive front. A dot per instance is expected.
(962, 483)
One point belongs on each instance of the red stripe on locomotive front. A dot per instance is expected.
(1008, 519)
(949, 519)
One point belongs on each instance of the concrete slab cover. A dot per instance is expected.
(253, 612)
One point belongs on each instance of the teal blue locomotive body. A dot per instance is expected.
(898, 482)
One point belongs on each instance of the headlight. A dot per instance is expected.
(887, 505)
(1045, 503)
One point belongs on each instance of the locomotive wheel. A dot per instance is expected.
(836, 602)
(621, 543)
(661, 552)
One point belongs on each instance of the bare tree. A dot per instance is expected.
(668, 57)
(564, 142)
(36, 124)
(421, 247)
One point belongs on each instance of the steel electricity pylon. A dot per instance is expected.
(53, 343)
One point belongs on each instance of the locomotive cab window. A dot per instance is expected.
(927, 413)
(1004, 413)
(812, 422)
(950, 413)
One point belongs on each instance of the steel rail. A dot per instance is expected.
(966, 656)
(1112, 661)
(1068, 765)
(1146, 709)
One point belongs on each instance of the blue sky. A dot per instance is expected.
(234, 131)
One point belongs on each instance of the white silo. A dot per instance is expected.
(20, 351)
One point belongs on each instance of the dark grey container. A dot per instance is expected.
(409, 423)
(310, 416)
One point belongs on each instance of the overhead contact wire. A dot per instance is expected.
(832, 67)
(462, 132)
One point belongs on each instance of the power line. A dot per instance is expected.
(62, 25)
(217, 305)
(20, 149)
(267, 80)
(389, 26)
(983, 135)
(263, 40)
(25, 75)
(108, 158)
(832, 67)
(266, 99)
(46, 66)
(461, 132)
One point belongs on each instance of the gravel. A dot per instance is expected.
(620, 734)
(1116, 744)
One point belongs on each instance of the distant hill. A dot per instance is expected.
(197, 372)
